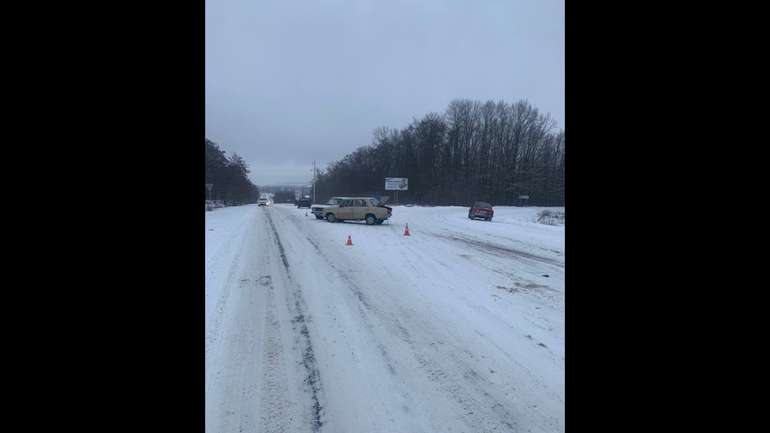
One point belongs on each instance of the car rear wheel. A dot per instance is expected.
(370, 220)
(330, 217)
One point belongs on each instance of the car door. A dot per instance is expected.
(359, 209)
(344, 211)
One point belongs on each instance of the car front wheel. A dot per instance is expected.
(370, 220)
(331, 218)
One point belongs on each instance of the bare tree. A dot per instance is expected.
(489, 151)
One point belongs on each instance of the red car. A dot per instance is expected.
(481, 210)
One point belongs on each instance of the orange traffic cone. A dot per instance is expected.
(406, 231)
(349, 242)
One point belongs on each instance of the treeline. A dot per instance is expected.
(475, 151)
(229, 175)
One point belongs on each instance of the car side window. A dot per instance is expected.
(360, 203)
(345, 203)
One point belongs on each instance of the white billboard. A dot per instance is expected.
(396, 184)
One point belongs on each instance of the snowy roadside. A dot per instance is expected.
(224, 236)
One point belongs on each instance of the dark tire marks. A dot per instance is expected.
(299, 323)
(500, 250)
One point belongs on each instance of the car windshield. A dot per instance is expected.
(333, 201)
(483, 204)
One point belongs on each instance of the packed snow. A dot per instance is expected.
(456, 328)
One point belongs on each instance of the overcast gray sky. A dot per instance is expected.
(290, 81)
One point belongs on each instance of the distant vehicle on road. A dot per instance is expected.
(303, 202)
(264, 201)
(366, 209)
(481, 210)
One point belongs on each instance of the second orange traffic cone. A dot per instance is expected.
(406, 230)
(349, 242)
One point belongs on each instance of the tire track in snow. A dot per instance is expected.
(274, 402)
(367, 314)
(499, 250)
(364, 306)
(299, 324)
(455, 378)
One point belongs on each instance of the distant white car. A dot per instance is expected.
(264, 202)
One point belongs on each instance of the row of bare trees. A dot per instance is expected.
(474, 151)
(229, 176)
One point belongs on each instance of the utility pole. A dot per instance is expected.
(314, 173)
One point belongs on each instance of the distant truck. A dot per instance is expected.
(367, 209)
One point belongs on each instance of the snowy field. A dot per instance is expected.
(456, 328)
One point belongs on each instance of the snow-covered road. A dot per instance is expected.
(457, 328)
